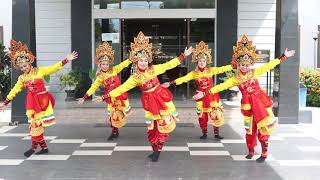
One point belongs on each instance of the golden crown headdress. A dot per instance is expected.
(19, 53)
(140, 47)
(202, 50)
(104, 53)
(244, 52)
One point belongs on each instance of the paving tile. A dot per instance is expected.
(91, 153)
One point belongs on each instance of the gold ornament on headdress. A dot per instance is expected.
(104, 53)
(244, 52)
(140, 47)
(19, 54)
(202, 51)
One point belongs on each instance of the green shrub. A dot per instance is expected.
(311, 79)
(47, 78)
(5, 73)
(70, 80)
(228, 75)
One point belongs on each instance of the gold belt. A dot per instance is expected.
(152, 89)
(43, 92)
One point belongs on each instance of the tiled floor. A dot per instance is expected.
(80, 151)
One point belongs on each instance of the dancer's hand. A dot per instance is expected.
(187, 51)
(199, 95)
(81, 101)
(165, 85)
(97, 99)
(289, 53)
(72, 56)
(2, 107)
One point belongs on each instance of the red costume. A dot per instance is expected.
(256, 105)
(120, 107)
(156, 100)
(39, 102)
(209, 107)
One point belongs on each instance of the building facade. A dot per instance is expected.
(171, 25)
(52, 28)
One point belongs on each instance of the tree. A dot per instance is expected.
(5, 72)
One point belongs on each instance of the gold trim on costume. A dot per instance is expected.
(140, 47)
(20, 54)
(104, 53)
(246, 107)
(244, 52)
(202, 50)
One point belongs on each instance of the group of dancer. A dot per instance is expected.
(160, 112)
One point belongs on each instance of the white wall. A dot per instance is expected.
(309, 19)
(53, 36)
(6, 20)
(257, 19)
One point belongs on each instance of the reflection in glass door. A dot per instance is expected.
(169, 37)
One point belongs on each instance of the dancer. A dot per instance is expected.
(107, 76)
(210, 106)
(39, 102)
(156, 100)
(256, 105)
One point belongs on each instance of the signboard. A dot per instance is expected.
(113, 37)
(263, 56)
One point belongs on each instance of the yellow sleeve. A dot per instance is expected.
(223, 86)
(97, 83)
(16, 89)
(118, 68)
(47, 70)
(162, 68)
(222, 69)
(267, 67)
(184, 79)
(126, 86)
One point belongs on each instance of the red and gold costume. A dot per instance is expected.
(256, 105)
(210, 106)
(39, 102)
(160, 112)
(119, 108)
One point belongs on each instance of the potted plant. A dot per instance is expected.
(232, 92)
(93, 74)
(47, 80)
(69, 82)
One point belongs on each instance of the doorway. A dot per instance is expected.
(169, 37)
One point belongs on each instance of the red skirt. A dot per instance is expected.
(155, 101)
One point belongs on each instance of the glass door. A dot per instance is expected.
(171, 26)
(168, 38)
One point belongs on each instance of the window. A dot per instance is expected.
(154, 4)
(106, 4)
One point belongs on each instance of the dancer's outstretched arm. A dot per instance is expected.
(162, 68)
(118, 68)
(272, 64)
(220, 87)
(220, 70)
(47, 70)
(18, 87)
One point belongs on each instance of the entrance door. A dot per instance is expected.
(168, 38)
(171, 25)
